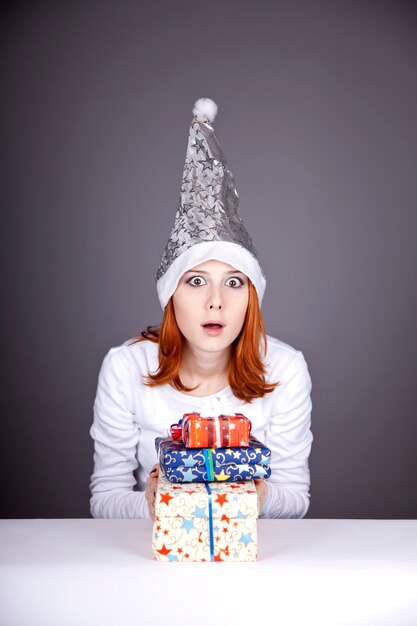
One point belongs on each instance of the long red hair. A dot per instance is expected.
(246, 370)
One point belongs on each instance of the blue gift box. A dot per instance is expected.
(181, 464)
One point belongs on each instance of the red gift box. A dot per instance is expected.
(214, 432)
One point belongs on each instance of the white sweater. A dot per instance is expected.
(129, 415)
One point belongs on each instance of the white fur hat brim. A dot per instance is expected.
(232, 253)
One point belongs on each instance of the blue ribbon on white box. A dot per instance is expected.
(210, 520)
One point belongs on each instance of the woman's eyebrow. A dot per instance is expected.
(203, 272)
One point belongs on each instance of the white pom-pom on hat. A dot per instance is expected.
(205, 107)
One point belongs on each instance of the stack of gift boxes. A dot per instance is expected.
(206, 504)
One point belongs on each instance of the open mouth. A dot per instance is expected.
(213, 326)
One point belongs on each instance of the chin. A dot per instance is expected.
(212, 344)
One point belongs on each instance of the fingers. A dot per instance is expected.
(261, 489)
(151, 486)
(151, 496)
(154, 471)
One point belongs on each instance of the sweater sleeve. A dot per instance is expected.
(289, 438)
(116, 436)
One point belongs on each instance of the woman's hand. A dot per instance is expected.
(261, 489)
(150, 493)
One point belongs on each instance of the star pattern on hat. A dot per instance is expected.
(209, 203)
(198, 145)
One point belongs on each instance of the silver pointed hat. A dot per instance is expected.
(207, 224)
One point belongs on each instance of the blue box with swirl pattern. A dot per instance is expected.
(180, 464)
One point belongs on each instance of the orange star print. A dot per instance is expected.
(166, 497)
(222, 498)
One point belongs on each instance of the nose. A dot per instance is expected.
(214, 300)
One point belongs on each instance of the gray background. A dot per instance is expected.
(317, 118)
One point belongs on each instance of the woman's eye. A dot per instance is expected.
(234, 281)
(196, 281)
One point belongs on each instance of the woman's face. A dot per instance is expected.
(210, 305)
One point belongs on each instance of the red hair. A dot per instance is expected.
(246, 370)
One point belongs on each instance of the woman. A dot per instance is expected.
(210, 355)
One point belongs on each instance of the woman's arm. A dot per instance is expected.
(116, 436)
(289, 438)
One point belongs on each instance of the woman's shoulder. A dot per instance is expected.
(286, 364)
(140, 355)
(280, 347)
(280, 355)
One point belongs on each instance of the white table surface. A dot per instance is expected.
(101, 572)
